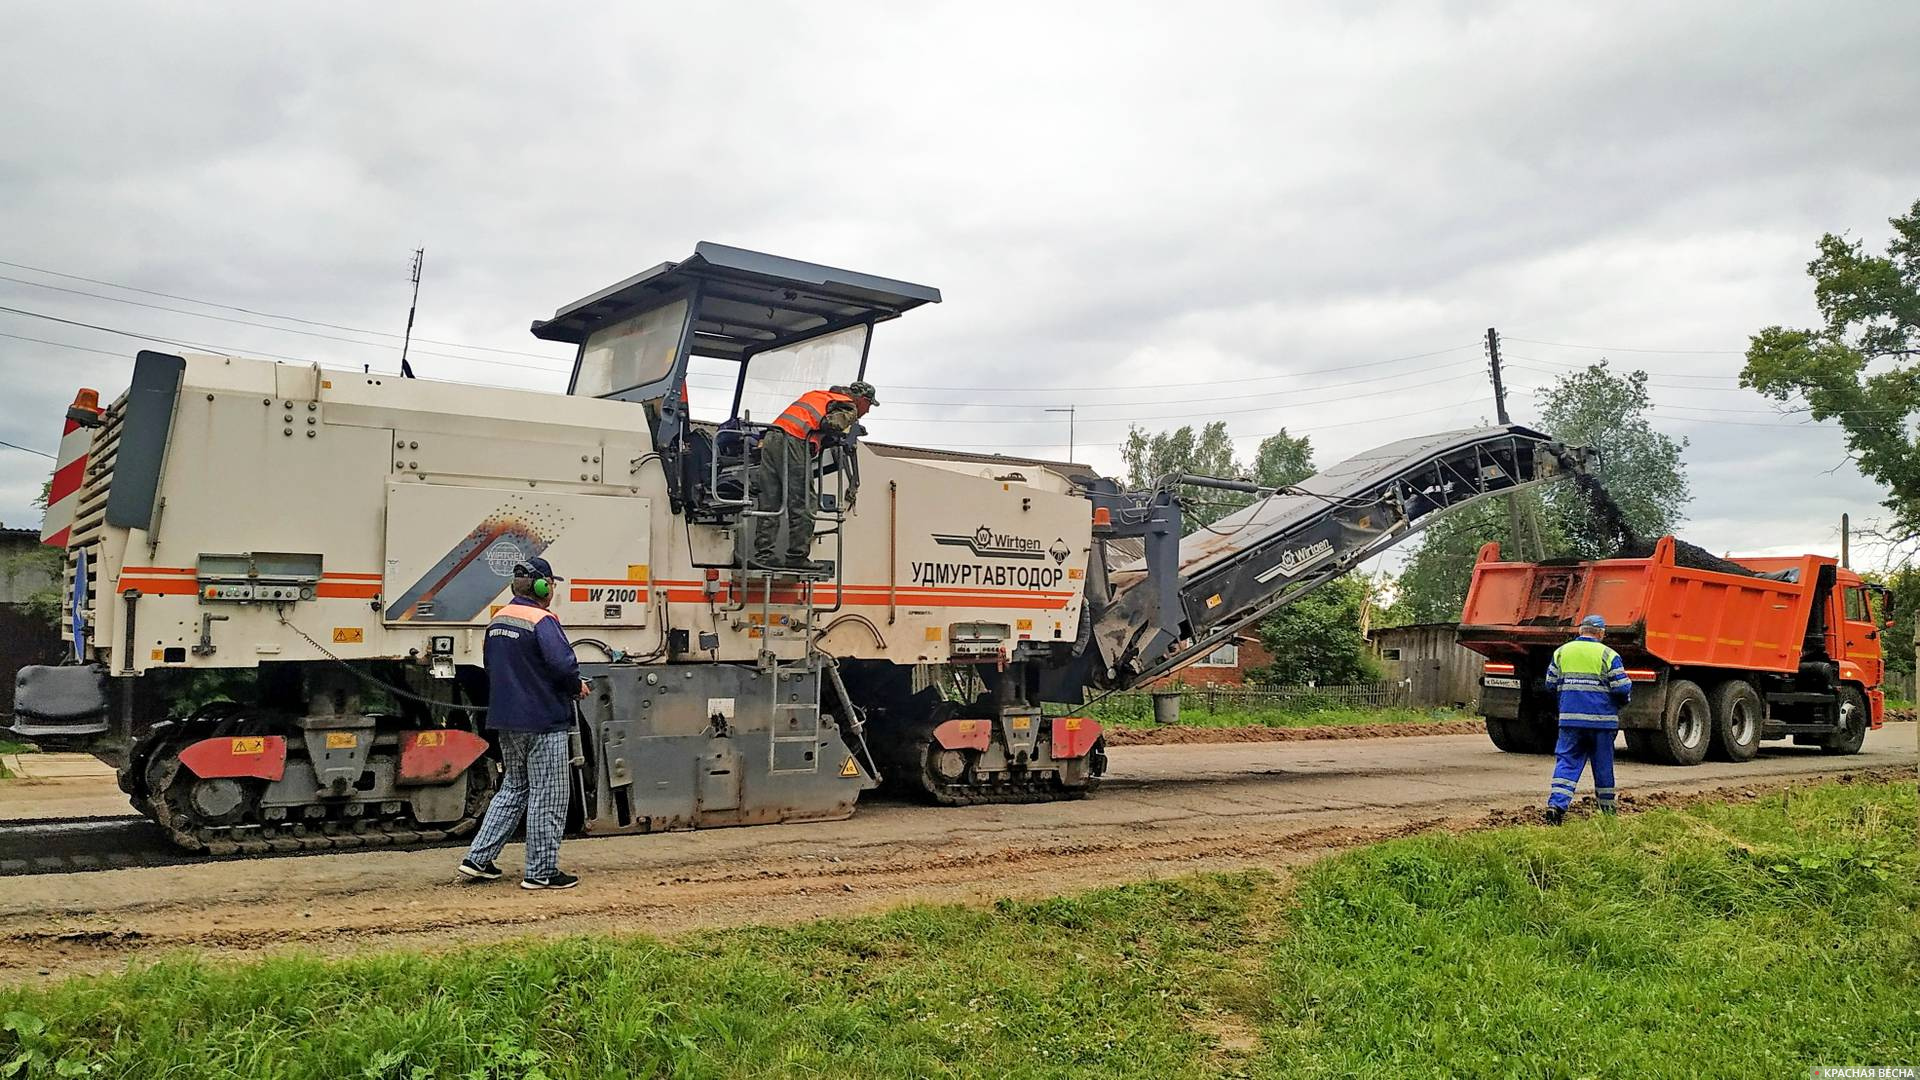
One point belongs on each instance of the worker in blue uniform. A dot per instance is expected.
(532, 683)
(1593, 686)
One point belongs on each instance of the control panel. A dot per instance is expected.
(258, 577)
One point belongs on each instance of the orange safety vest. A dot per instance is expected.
(805, 417)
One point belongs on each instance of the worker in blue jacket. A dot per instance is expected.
(1593, 687)
(533, 680)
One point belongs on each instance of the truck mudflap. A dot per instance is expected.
(60, 702)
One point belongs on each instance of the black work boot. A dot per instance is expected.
(1554, 815)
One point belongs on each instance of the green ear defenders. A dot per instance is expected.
(542, 587)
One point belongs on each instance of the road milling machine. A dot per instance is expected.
(327, 546)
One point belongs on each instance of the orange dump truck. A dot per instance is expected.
(1719, 660)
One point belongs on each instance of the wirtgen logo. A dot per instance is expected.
(1294, 560)
(988, 544)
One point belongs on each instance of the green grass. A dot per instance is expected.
(1752, 939)
(1324, 716)
(8, 746)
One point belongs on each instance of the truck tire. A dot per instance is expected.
(1738, 715)
(1854, 717)
(1686, 726)
(1520, 736)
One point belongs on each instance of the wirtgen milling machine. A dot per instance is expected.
(345, 537)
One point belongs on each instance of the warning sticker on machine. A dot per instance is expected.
(848, 768)
(342, 740)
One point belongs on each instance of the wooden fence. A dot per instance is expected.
(1898, 685)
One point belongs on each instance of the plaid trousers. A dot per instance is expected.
(535, 785)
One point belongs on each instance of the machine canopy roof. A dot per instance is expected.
(748, 301)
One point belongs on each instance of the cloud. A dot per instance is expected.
(1111, 204)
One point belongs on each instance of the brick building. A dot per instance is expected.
(1230, 664)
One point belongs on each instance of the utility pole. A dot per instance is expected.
(1499, 386)
(1521, 526)
(1845, 536)
(419, 260)
(1069, 410)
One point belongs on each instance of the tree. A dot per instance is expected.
(45, 603)
(1317, 639)
(1857, 366)
(1640, 467)
(1432, 586)
(1280, 460)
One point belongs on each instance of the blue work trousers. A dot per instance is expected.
(1574, 749)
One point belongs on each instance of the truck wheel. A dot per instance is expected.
(1686, 726)
(1738, 714)
(1519, 736)
(1854, 718)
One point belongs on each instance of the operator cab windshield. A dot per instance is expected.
(632, 352)
(769, 381)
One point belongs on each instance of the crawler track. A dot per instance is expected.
(79, 845)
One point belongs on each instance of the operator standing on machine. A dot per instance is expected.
(532, 682)
(786, 453)
(1593, 686)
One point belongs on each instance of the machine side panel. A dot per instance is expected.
(450, 553)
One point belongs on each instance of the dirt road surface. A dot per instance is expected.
(1166, 810)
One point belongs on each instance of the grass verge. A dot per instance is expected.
(1328, 716)
(1737, 940)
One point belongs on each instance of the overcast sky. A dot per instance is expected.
(1160, 213)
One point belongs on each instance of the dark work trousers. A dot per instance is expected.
(781, 484)
(1575, 748)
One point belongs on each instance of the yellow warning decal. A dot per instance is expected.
(249, 744)
(348, 635)
(1022, 723)
(430, 738)
(848, 768)
(933, 633)
(159, 655)
(1024, 624)
(966, 726)
(342, 740)
(637, 571)
(1214, 600)
(1074, 573)
(1073, 723)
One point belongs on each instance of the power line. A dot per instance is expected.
(244, 311)
(1621, 348)
(1256, 435)
(185, 343)
(27, 449)
(64, 345)
(1164, 416)
(276, 329)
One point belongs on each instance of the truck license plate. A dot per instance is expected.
(1504, 684)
